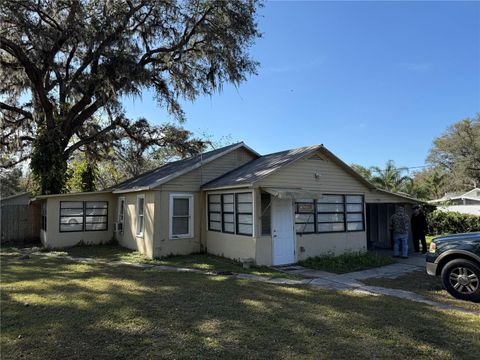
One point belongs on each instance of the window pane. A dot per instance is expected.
(229, 227)
(180, 206)
(245, 229)
(355, 226)
(228, 218)
(93, 211)
(354, 207)
(354, 217)
(71, 227)
(215, 217)
(139, 225)
(266, 214)
(304, 218)
(305, 207)
(330, 208)
(214, 207)
(96, 204)
(244, 197)
(95, 226)
(71, 204)
(71, 212)
(331, 227)
(95, 219)
(244, 208)
(245, 219)
(228, 207)
(228, 198)
(214, 198)
(304, 228)
(180, 226)
(71, 220)
(330, 217)
(215, 225)
(331, 199)
(356, 199)
(140, 203)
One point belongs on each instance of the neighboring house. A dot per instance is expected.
(233, 202)
(465, 203)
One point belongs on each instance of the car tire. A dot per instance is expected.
(461, 278)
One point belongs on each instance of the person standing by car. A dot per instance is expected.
(399, 223)
(419, 229)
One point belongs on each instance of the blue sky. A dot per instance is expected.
(372, 81)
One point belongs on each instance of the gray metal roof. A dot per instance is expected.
(259, 168)
(174, 169)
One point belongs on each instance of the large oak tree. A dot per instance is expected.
(64, 64)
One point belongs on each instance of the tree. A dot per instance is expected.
(390, 178)
(457, 153)
(62, 62)
(362, 170)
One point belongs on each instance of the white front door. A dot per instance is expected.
(283, 232)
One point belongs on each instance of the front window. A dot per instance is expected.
(181, 216)
(231, 213)
(76, 216)
(331, 213)
(140, 215)
(44, 217)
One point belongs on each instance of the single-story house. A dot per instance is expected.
(462, 202)
(233, 202)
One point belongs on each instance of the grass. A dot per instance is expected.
(55, 309)
(347, 262)
(421, 283)
(195, 261)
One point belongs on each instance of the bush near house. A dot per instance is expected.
(441, 222)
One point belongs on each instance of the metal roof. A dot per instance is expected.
(259, 168)
(174, 169)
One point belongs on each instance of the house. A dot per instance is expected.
(233, 202)
(465, 203)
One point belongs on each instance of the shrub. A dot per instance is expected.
(442, 222)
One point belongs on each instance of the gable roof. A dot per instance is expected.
(175, 169)
(266, 165)
(257, 169)
(469, 195)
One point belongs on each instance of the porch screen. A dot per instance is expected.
(83, 216)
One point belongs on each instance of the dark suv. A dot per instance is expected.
(457, 259)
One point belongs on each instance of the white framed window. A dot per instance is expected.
(121, 212)
(181, 216)
(140, 215)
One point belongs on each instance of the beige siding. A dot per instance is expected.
(194, 179)
(332, 179)
(53, 238)
(163, 245)
(230, 245)
(129, 238)
(310, 245)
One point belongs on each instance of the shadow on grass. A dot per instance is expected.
(93, 311)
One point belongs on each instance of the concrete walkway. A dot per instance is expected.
(318, 279)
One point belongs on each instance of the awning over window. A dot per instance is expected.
(293, 193)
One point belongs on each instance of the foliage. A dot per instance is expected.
(349, 262)
(10, 182)
(66, 65)
(443, 222)
(457, 154)
(390, 178)
(82, 175)
(362, 170)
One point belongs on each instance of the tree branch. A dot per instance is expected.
(25, 113)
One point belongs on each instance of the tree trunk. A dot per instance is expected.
(49, 162)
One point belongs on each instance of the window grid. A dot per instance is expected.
(82, 213)
(220, 202)
(187, 216)
(344, 212)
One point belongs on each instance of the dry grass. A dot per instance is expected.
(55, 309)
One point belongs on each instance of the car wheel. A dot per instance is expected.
(461, 278)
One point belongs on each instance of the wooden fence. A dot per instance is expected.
(20, 224)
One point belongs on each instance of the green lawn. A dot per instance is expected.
(55, 309)
(195, 261)
(421, 283)
(347, 262)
